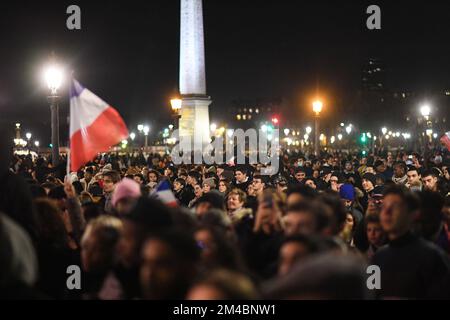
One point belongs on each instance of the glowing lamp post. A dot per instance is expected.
(54, 77)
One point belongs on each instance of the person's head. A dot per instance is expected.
(240, 175)
(348, 166)
(178, 184)
(224, 186)
(168, 265)
(430, 181)
(336, 213)
(208, 185)
(316, 164)
(368, 182)
(399, 209)
(222, 284)
(400, 169)
(217, 251)
(88, 174)
(139, 178)
(299, 194)
(98, 245)
(310, 182)
(294, 249)
(50, 224)
(198, 190)
(347, 194)
(380, 166)
(300, 174)
(148, 216)
(110, 179)
(375, 200)
(153, 176)
(208, 201)
(193, 178)
(236, 199)
(259, 183)
(305, 218)
(369, 169)
(169, 171)
(374, 231)
(125, 196)
(413, 176)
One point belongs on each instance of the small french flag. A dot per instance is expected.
(164, 193)
(446, 140)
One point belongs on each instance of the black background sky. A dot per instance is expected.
(127, 52)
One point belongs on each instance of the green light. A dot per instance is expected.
(363, 138)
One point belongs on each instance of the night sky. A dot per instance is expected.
(127, 53)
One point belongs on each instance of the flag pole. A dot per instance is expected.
(70, 115)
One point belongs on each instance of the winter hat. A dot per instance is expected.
(210, 182)
(126, 188)
(347, 192)
(107, 168)
(370, 177)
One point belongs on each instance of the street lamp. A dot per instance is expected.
(425, 111)
(53, 76)
(132, 136)
(140, 127)
(146, 130)
(17, 130)
(28, 136)
(176, 107)
(317, 108)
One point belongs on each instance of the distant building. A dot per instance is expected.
(246, 113)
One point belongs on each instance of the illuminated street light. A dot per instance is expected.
(384, 130)
(176, 104)
(317, 108)
(348, 129)
(213, 127)
(146, 130)
(28, 136)
(140, 127)
(340, 136)
(286, 132)
(132, 136)
(425, 111)
(308, 130)
(36, 143)
(53, 76)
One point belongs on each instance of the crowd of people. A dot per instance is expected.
(308, 232)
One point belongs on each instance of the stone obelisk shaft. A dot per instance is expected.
(195, 108)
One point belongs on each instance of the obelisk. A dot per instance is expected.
(194, 119)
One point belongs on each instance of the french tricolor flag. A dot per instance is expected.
(446, 140)
(164, 193)
(94, 126)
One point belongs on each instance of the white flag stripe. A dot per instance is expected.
(84, 109)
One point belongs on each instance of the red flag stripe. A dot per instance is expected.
(106, 131)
